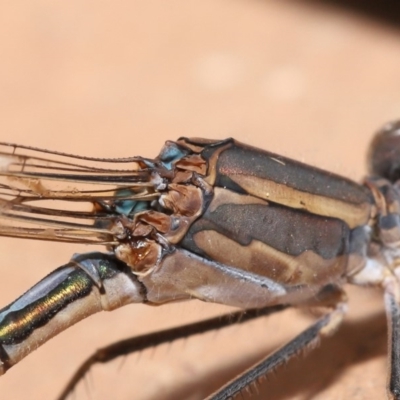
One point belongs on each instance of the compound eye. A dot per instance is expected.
(384, 152)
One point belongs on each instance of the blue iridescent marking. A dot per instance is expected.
(170, 153)
(129, 207)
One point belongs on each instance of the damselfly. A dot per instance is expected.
(218, 221)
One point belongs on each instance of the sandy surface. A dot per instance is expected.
(119, 78)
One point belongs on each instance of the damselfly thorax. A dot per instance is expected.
(218, 221)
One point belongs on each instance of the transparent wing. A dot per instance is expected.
(49, 195)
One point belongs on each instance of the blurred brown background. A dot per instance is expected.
(309, 79)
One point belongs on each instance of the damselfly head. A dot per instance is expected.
(384, 152)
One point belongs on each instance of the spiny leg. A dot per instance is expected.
(393, 317)
(325, 326)
(131, 345)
